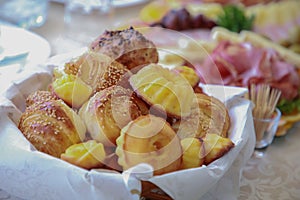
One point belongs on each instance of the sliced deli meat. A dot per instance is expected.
(242, 64)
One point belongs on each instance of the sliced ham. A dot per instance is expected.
(243, 64)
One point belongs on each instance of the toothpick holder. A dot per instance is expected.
(265, 129)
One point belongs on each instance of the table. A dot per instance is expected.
(273, 173)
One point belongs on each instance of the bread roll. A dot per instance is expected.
(149, 139)
(128, 47)
(108, 111)
(51, 126)
(209, 115)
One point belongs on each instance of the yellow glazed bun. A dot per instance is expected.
(164, 89)
(189, 74)
(87, 155)
(72, 90)
(215, 146)
(203, 151)
(193, 152)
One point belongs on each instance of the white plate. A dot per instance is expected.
(125, 3)
(14, 40)
(117, 3)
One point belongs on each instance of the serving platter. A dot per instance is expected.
(117, 3)
(15, 40)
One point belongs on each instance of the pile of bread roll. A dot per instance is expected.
(114, 107)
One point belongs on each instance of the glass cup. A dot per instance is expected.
(87, 19)
(24, 13)
(265, 129)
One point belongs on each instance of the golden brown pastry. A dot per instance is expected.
(108, 111)
(164, 90)
(189, 74)
(72, 90)
(215, 146)
(128, 47)
(193, 152)
(51, 126)
(209, 115)
(149, 139)
(88, 155)
(217, 111)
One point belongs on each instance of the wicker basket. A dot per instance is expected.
(152, 192)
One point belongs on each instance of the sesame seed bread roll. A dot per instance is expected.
(209, 115)
(51, 126)
(108, 111)
(85, 75)
(128, 47)
(97, 70)
(217, 113)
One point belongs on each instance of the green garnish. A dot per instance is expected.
(287, 107)
(234, 19)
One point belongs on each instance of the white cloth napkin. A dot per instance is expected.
(29, 174)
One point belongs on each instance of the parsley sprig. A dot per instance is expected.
(234, 19)
(287, 107)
